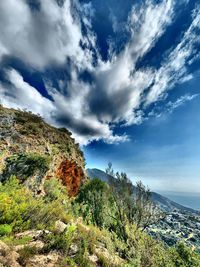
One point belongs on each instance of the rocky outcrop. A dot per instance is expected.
(34, 151)
(8, 257)
(50, 260)
(36, 252)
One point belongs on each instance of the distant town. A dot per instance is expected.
(178, 225)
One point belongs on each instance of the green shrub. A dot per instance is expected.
(20, 209)
(67, 261)
(5, 229)
(104, 262)
(62, 241)
(55, 190)
(57, 242)
(81, 257)
(95, 203)
(184, 256)
(25, 165)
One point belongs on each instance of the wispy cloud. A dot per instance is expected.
(179, 102)
(170, 106)
(174, 69)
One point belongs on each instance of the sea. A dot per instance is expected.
(190, 200)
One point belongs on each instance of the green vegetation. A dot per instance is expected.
(184, 256)
(25, 165)
(5, 229)
(22, 211)
(26, 253)
(116, 205)
(26, 128)
(13, 241)
(102, 233)
(95, 203)
(102, 226)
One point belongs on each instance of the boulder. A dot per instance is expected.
(73, 250)
(113, 259)
(60, 227)
(36, 244)
(93, 258)
(35, 234)
(49, 260)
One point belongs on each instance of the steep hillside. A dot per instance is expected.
(180, 224)
(34, 151)
(43, 225)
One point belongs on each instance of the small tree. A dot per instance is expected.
(133, 203)
(109, 170)
(146, 211)
(121, 191)
(94, 201)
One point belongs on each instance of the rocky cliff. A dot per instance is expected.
(34, 151)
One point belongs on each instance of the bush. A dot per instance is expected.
(95, 203)
(5, 229)
(68, 262)
(55, 190)
(14, 241)
(25, 165)
(184, 256)
(20, 209)
(61, 242)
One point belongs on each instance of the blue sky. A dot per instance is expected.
(123, 76)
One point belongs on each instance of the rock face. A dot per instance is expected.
(70, 174)
(34, 151)
(8, 257)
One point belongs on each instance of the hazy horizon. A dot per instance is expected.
(158, 186)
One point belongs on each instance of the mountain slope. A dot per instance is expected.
(40, 225)
(34, 151)
(163, 202)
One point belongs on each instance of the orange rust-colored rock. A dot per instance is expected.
(71, 175)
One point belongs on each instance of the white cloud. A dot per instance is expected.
(174, 69)
(40, 37)
(117, 81)
(72, 110)
(60, 111)
(147, 24)
(179, 102)
(20, 94)
(170, 106)
(117, 91)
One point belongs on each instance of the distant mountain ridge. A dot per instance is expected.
(163, 202)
